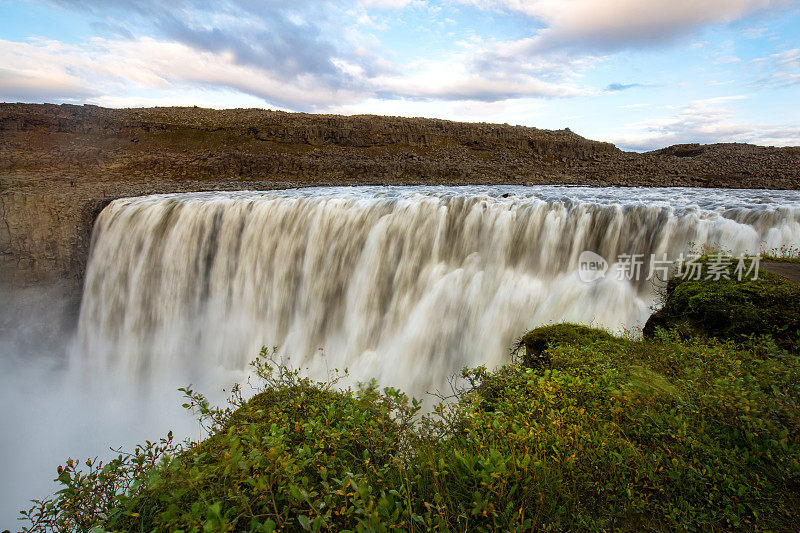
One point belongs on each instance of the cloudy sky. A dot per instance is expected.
(640, 73)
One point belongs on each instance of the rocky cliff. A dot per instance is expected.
(60, 165)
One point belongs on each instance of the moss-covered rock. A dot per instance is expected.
(537, 341)
(731, 309)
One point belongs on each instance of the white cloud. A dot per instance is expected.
(103, 67)
(391, 4)
(284, 54)
(782, 69)
(36, 70)
(610, 24)
(788, 59)
(727, 59)
(578, 35)
(754, 33)
(455, 78)
(703, 121)
(482, 89)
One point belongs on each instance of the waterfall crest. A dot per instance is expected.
(405, 285)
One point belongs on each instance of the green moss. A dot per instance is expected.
(537, 341)
(732, 309)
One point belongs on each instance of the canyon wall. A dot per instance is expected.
(61, 164)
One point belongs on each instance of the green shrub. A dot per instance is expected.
(617, 435)
(655, 435)
(298, 455)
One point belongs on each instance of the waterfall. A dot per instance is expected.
(404, 285)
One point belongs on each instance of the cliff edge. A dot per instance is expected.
(61, 164)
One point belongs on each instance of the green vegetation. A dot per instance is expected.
(680, 431)
(538, 341)
(732, 309)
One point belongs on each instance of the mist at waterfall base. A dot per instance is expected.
(403, 285)
(49, 413)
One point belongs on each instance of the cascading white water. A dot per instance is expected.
(402, 284)
(405, 285)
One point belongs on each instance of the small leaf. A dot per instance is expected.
(304, 522)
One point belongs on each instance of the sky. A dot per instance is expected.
(642, 74)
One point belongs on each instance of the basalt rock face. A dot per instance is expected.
(45, 234)
(60, 165)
